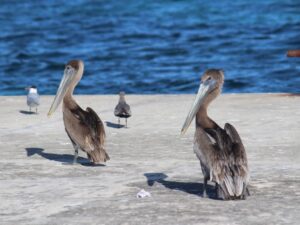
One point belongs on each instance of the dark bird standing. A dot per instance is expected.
(122, 110)
(84, 127)
(220, 151)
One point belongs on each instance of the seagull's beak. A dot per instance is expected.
(204, 89)
(62, 89)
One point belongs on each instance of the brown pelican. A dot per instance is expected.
(122, 110)
(84, 127)
(221, 152)
(33, 98)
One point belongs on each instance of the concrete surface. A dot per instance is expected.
(38, 186)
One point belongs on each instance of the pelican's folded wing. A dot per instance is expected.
(95, 124)
(236, 173)
(238, 151)
(228, 159)
(93, 141)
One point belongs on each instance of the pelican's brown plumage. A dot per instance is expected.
(122, 109)
(221, 152)
(84, 127)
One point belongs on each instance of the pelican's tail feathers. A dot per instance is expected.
(98, 155)
(230, 191)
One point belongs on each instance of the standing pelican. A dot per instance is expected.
(33, 98)
(220, 151)
(122, 110)
(84, 127)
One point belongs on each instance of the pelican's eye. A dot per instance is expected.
(69, 70)
(208, 79)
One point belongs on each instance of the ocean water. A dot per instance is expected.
(148, 46)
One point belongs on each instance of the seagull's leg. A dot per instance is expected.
(119, 122)
(126, 122)
(36, 110)
(30, 108)
(75, 154)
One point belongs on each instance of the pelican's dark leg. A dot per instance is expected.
(246, 193)
(204, 186)
(75, 154)
(75, 146)
(219, 193)
(217, 190)
(247, 190)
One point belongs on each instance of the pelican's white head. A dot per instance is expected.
(211, 84)
(72, 75)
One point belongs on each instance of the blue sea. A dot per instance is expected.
(149, 47)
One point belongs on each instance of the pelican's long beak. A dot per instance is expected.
(203, 91)
(62, 89)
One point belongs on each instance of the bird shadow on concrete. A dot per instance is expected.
(114, 125)
(27, 112)
(66, 159)
(188, 187)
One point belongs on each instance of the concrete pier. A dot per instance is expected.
(39, 186)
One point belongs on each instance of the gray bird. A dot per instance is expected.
(33, 98)
(221, 152)
(122, 110)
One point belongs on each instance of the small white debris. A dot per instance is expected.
(142, 194)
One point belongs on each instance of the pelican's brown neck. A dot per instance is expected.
(202, 119)
(68, 100)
